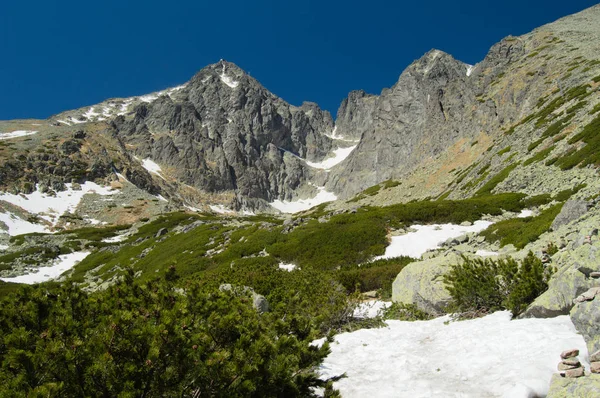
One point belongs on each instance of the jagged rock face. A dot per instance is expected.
(224, 131)
(355, 115)
(428, 108)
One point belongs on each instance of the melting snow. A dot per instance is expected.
(15, 134)
(117, 238)
(44, 274)
(152, 167)
(228, 80)
(486, 357)
(287, 267)
(304, 204)
(486, 253)
(221, 209)
(427, 237)
(370, 309)
(335, 136)
(338, 156)
(64, 122)
(18, 226)
(54, 206)
(470, 69)
(525, 214)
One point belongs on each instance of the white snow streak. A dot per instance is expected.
(15, 134)
(427, 237)
(486, 253)
(525, 213)
(486, 357)
(470, 69)
(339, 155)
(304, 204)
(221, 209)
(228, 80)
(44, 274)
(152, 167)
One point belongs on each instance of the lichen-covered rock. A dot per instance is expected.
(566, 284)
(570, 212)
(586, 318)
(582, 387)
(421, 283)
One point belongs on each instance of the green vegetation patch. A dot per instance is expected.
(538, 157)
(590, 153)
(495, 180)
(480, 286)
(503, 151)
(521, 231)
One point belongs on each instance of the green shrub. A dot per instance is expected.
(521, 231)
(377, 275)
(405, 312)
(485, 285)
(538, 157)
(150, 340)
(495, 180)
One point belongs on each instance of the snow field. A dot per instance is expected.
(339, 155)
(52, 207)
(64, 263)
(304, 204)
(486, 357)
(427, 237)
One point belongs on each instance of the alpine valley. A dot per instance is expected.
(200, 240)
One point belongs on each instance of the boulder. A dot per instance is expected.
(571, 211)
(421, 283)
(562, 387)
(569, 353)
(586, 318)
(259, 302)
(568, 282)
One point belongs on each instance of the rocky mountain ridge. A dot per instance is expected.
(445, 128)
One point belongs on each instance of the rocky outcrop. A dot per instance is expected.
(582, 387)
(223, 131)
(355, 115)
(586, 318)
(570, 212)
(259, 302)
(572, 278)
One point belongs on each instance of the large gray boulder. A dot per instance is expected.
(570, 212)
(586, 318)
(569, 281)
(421, 283)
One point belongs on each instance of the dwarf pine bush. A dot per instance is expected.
(485, 285)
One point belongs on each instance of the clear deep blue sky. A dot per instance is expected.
(55, 57)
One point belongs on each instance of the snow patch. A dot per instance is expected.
(486, 357)
(339, 137)
(339, 155)
(304, 204)
(3, 247)
(228, 80)
(370, 309)
(427, 237)
(287, 267)
(221, 209)
(486, 253)
(18, 226)
(470, 70)
(152, 167)
(64, 122)
(52, 207)
(64, 263)
(525, 213)
(117, 238)
(15, 134)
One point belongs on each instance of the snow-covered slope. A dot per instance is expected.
(486, 357)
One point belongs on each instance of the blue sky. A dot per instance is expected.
(56, 57)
